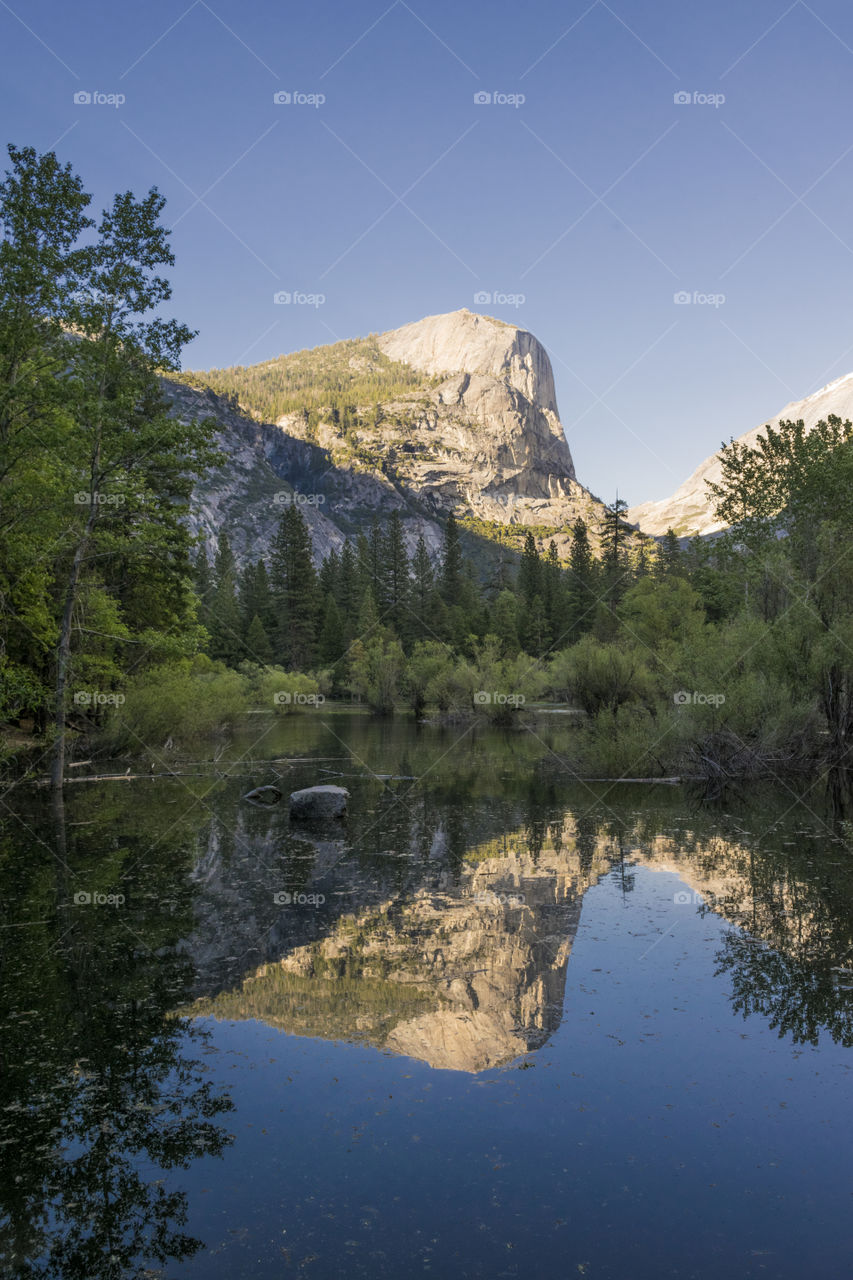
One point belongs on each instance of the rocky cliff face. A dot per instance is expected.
(481, 437)
(689, 510)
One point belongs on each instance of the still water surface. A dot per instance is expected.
(497, 1024)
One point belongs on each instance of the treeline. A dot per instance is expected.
(285, 611)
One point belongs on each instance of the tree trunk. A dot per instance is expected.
(63, 650)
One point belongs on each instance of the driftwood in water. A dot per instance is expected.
(263, 795)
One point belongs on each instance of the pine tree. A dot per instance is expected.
(580, 591)
(641, 562)
(397, 577)
(258, 647)
(226, 622)
(203, 586)
(614, 540)
(554, 596)
(329, 574)
(536, 633)
(423, 587)
(293, 582)
(348, 594)
(530, 571)
(378, 569)
(669, 558)
(451, 562)
(332, 642)
(368, 616)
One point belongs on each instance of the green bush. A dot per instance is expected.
(181, 703)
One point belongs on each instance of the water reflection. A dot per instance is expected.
(102, 1091)
(453, 948)
(437, 923)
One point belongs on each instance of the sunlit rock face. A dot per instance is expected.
(465, 977)
(690, 509)
(481, 437)
(468, 971)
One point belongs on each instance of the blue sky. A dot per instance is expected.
(596, 200)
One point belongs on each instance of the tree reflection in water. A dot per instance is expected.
(102, 1090)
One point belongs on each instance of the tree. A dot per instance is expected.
(396, 576)
(224, 618)
(451, 562)
(788, 502)
(332, 640)
(669, 559)
(258, 645)
(530, 571)
(293, 583)
(423, 586)
(505, 624)
(554, 596)
(133, 463)
(581, 589)
(614, 539)
(348, 595)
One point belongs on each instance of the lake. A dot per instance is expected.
(497, 1023)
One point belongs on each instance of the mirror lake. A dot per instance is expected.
(497, 1022)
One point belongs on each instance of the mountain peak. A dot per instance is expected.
(466, 342)
(690, 509)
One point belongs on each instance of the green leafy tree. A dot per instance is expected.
(131, 462)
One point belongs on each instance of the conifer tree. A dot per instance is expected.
(348, 595)
(226, 622)
(451, 562)
(530, 571)
(331, 642)
(258, 647)
(581, 587)
(397, 577)
(668, 562)
(293, 582)
(423, 588)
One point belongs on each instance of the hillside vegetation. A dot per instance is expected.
(331, 382)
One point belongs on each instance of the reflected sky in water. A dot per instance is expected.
(496, 1024)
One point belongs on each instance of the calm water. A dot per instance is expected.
(497, 1024)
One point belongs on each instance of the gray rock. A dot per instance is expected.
(317, 804)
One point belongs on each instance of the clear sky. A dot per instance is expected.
(586, 208)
